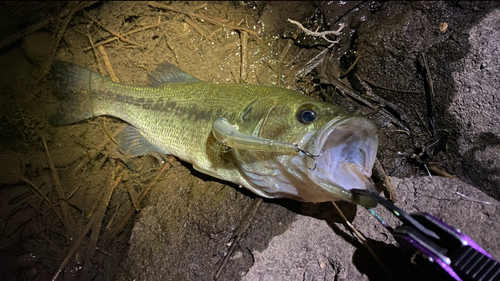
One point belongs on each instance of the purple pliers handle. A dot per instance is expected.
(452, 251)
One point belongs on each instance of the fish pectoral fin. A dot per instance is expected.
(131, 141)
(166, 73)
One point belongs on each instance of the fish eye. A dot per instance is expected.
(307, 115)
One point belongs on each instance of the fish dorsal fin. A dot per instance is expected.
(132, 142)
(168, 73)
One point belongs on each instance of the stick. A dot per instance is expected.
(100, 148)
(42, 197)
(133, 198)
(217, 21)
(389, 89)
(244, 225)
(196, 27)
(125, 34)
(441, 172)
(78, 241)
(67, 220)
(311, 64)
(433, 124)
(244, 57)
(75, 6)
(119, 227)
(351, 67)
(388, 185)
(101, 211)
(109, 30)
(108, 64)
(319, 34)
(351, 93)
(364, 241)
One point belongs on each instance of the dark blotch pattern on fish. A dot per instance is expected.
(161, 105)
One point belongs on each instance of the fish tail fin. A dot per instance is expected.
(75, 87)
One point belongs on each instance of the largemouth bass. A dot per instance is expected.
(276, 142)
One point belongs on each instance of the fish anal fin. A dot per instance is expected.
(131, 141)
(166, 73)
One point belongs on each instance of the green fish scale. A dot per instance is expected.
(178, 117)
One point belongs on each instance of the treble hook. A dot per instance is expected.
(313, 157)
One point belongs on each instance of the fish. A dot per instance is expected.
(276, 142)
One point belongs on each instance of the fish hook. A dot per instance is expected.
(309, 154)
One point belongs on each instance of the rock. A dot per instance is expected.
(313, 250)
(475, 104)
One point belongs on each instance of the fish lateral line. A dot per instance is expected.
(231, 137)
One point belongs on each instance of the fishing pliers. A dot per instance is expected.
(442, 246)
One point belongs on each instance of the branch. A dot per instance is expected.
(319, 34)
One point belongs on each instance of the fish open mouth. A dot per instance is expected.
(347, 149)
(335, 159)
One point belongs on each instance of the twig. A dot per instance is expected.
(427, 169)
(79, 239)
(100, 148)
(133, 198)
(474, 200)
(387, 88)
(432, 95)
(38, 192)
(101, 211)
(97, 59)
(441, 172)
(119, 227)
(429, 78)
(74, 191)
(110, 31)
(396, 131)
(311, 64)
(319, 34)
(170, 8)
(125, 34)
(387, 182)
(42, 197)
(108, 64)
(284, 53)
(371, 95)
(215, 31)
(244, 57)
(112, 219)
(364, 241)
(75, 6)
(67, 220)
(196, 27)
(351, 93)
(213, 20)
(244, 225)
(286, 49)
(374, 97)
(344, 74)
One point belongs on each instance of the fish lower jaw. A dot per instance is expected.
(347, 150)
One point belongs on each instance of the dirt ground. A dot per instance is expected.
(69, 199)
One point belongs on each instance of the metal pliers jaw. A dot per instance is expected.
(440, 244)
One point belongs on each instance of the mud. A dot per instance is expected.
(181, 230)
